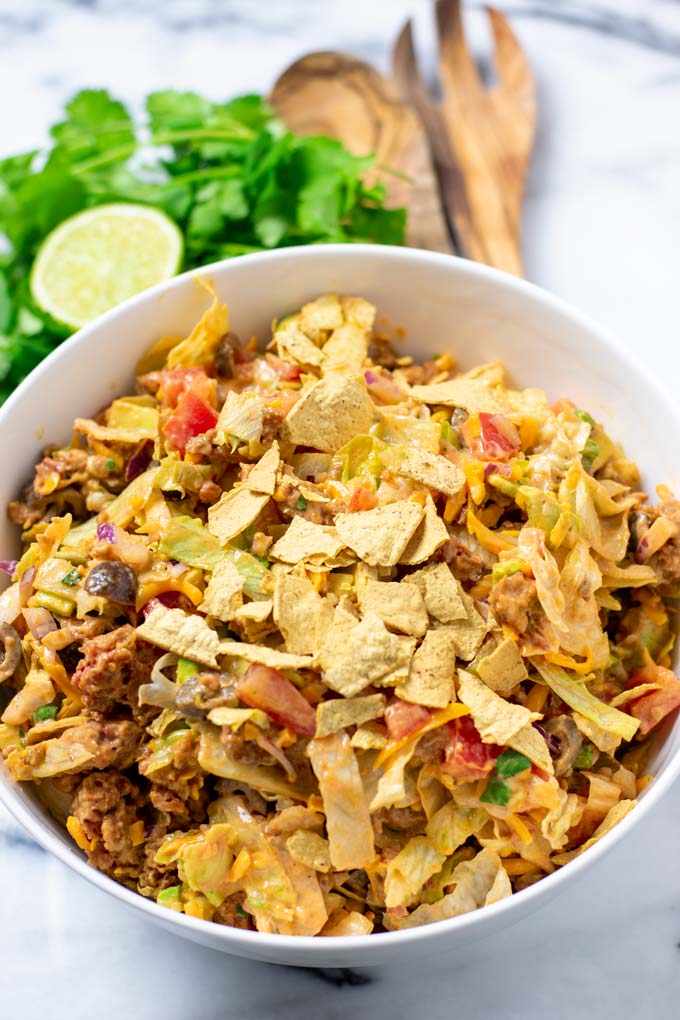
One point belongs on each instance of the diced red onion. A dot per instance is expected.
(139, 461)
(26, 585)
(276, 753)
(552, 742)
(106, 532)
(504, 470)
(370, 377)
(9, 566)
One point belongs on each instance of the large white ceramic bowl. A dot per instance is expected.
(444, 304)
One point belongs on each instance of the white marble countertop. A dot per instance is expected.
(602, 225)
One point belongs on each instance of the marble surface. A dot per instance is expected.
(602, 222)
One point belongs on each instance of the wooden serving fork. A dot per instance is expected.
(480, 138)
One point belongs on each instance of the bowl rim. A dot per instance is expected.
(249, 943)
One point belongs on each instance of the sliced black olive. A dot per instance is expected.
(201, 693)
(569, 737)
(12, 651)
(114, 581)
(227, 347)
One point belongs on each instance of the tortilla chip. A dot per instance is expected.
(235, 511)
(370, 736)
(432, 470)
(501, 722)
(503, 668)
(257, 612)
(380, 536)
(348, 821)
(359, 311)
(330, 413)
(262, 477)
(467, 635)
(223, 595)
(472, 395)
(430, 534)
(443, 594)
(321, 316)
(186, 634)
(304, 541)
(273, 657)
(346, 349)
(430, 681)
(295, 346)
(338, 713)
(399, 672)
(309, 849)
(354, 654)
(297, 607)
(399, 606)
(236, 717)
(497, 720)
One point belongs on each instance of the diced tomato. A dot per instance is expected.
(491, 436)
(563, 404)
(362, 498)
(466, 756)
(651, 708)
(192, 417)
(402, 718)
(272, 692)
(284, 369)
(175, 382)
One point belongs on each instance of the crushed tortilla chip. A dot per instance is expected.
(263, 654)
(430, 680)
(304, 540)
(472, 395)
(430, 534)
(443, 594)
(380, 536)
(604, 740)
(359, 311)
(501, 722)
(354, 653)
(223, 595)
(370, 736)
(236, 717)
(258, 612)
(330, 413)
(310, 850)
(346, 349)
(432, 470)
(186, 634)
(503, 668)
(399, 606)
(234, 512)
(262, 477)
(394, 788)
(320, 316)
(297, 607)
(338, 713)
(294, 345)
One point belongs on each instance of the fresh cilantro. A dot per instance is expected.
(496, 792)
(71, 579)
(44, 713)
(230, 174)
(510, 762)
(110, 464)
(584, 416)
(590, 451)
(301, 503)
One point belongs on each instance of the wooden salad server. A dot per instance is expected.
(480, 138)
(338, 95)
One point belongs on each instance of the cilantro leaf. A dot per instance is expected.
(510, 762)
(496, 792)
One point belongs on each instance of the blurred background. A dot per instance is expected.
(601, 226)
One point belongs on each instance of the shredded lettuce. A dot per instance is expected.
(174, 475)
(575, 694)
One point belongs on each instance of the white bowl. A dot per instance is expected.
(445, 304)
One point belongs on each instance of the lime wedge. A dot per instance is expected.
(98, 258)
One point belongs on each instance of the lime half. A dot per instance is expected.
(98, 258)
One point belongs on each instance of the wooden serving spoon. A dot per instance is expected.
(337, 95)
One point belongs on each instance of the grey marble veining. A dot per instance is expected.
(602, 221)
